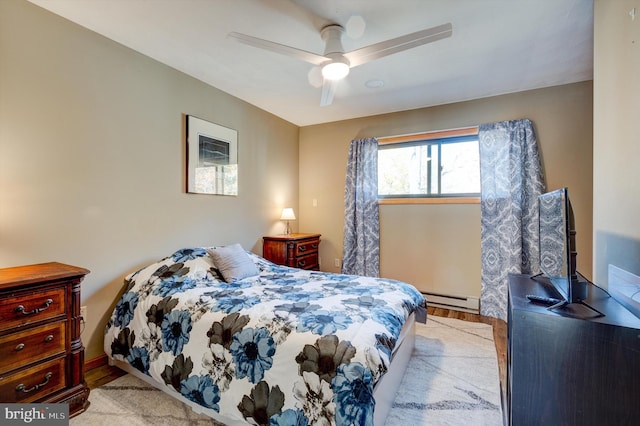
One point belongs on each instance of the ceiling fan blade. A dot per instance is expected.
(278, 48)
(398, 44)
(328, 90)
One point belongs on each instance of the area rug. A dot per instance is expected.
(452, 379)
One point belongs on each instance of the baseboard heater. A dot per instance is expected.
(457, 303)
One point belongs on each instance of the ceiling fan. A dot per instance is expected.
(335, 62)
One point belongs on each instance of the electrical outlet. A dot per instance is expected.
(336, 263)
(83, 313)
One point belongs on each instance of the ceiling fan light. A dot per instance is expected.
(335, 70)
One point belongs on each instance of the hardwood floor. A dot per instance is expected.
(104, 374)
(98, 376)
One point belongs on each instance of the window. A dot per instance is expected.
(429, 167)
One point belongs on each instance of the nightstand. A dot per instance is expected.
(295, 250)
(41, 354)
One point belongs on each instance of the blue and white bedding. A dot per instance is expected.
(284, 347)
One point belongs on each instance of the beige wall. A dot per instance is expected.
(616, 140)
(92, 158)
(437, 247)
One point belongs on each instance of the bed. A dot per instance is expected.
(246, 341)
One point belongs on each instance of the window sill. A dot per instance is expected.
(439, 200)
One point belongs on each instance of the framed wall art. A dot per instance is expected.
(212, 158)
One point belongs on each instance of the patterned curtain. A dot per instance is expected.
(361, 248)
(511, 180)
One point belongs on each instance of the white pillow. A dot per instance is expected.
(232, 262)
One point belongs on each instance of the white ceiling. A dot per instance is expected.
(497, 47)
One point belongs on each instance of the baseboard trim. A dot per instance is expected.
(453, 302)
(96, 362)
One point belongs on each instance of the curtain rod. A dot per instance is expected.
(463, 131)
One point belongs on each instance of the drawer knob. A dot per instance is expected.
(20, 309)
(22, 388)
(302, 263)
(19, 347)
(302, 248)
(315, 246)
(48, 338)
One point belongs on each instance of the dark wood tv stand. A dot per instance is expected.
(569, 371)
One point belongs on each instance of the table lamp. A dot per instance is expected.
(287, 215)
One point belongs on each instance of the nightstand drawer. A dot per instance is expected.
(33, 383)
(306, 247)
(29, 306)
(309, 261)
(23, 348)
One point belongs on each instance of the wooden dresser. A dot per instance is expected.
(295, 250)
(41, 354)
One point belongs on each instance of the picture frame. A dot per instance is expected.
(212, 158)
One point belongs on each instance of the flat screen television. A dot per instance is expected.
(557, 239)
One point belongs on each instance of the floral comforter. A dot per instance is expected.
(285, 347)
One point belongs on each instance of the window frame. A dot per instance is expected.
(437, 137)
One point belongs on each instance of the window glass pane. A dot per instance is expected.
(460, 168)
(440, 167)
(395, 170)
(418, 168)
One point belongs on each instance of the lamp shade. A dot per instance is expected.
(288, 214)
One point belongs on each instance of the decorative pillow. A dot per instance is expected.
(232, 262)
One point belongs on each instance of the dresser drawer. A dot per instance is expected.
(33, 383)
(23, 348)
(27, 307)
(306, 247)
